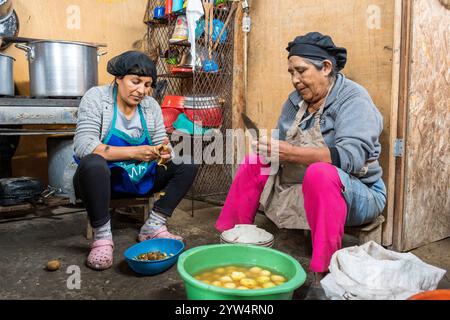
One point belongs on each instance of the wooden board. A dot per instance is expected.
(351, 24)
(426, 216)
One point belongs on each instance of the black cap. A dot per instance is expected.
(133, 63)
(317, 46)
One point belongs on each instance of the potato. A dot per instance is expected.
(53, 265)
(230, 269)
(229, 285)
(219, 271)
(237, 276)
(263, 279)
(217, 283)
(198, 278)
(277, 279)
(256, 270)
(266, 273)
(206, 282)
(268, 285)
(249, 283)
(226, 279)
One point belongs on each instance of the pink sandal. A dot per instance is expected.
(101, 255)
(162, 233)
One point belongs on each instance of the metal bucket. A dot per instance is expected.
(6, 75)
(60, 154)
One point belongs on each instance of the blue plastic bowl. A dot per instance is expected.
(149, 268)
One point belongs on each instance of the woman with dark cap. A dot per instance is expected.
(327, 147)
(117, 144)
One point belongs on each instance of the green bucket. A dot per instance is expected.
(200, 259)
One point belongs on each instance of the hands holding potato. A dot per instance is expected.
(162, 153)
(273, 150)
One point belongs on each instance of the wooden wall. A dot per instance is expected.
(426, 216)
(365, 27)
(118, 23)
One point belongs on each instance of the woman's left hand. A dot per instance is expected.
(275, 150)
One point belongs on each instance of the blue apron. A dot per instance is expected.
(130, 177)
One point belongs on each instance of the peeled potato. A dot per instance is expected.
(206, 282)
(219, 271)
(276, 278)
(237, 276)
(266, 273)
(263, 279)
(229, 285)
(249, 283)
(217, 283)
(226, 279)
(268, 285)
(53, 265)
(255, 270)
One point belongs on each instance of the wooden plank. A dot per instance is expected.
(16, 208)
(401, 125)
(427, 180)
(388, 228)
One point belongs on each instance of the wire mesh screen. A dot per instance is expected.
(204, 86)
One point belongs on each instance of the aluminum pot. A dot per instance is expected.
(61, 68)
(6, 75)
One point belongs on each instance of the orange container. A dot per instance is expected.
(432, 295)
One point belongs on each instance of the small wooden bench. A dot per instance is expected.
(145, 203)
(369, 232)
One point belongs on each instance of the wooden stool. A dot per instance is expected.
(145, 203)
(369, 232)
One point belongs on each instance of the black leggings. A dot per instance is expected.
(92, 182)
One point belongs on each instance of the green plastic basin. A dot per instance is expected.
(203, 258)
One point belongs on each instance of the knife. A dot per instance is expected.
(251, 126)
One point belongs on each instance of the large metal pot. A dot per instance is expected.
(6, 75)
(61, 68)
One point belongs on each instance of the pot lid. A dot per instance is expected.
(34, 40)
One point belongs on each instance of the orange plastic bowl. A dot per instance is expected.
(432, 295)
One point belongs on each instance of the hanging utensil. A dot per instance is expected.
(209, 65)
(234, 7)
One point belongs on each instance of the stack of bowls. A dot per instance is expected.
(247, 235)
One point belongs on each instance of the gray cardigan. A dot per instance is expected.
(95, 115)
(351, 123)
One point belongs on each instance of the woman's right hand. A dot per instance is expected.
(145, 153)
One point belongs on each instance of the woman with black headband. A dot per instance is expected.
(122, 150)
(327, 146)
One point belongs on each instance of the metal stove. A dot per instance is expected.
(19, 110)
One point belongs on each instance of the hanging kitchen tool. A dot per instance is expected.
(209, 65)
(234, 7)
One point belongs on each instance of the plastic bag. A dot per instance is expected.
(370, 272)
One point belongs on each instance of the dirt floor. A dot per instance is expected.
(27, 245)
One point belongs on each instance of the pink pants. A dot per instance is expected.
(325, 206)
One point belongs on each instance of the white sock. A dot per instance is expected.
(154, 223)
(103, 232)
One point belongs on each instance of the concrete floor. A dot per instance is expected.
(27, 245)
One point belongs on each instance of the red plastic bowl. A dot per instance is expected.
(176, 102)
(170, 115)
(210, 117)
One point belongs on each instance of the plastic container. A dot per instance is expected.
(207, 257)
(432, 295)
(204, 111)
(169, 246)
